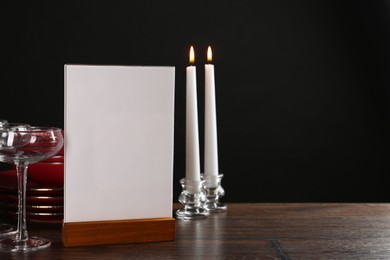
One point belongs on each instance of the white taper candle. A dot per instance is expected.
(192, 135)
(210, 131)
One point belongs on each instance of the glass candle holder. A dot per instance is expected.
(214, 192)
(193, 198)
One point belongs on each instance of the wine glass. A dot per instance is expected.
(5, 229)
(22, 147)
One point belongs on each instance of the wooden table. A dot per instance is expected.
(251, 231)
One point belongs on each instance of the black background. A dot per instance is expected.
(302, 86)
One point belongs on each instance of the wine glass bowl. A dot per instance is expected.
(3, 122)
(29, 145)
(22, 146)
(8, 138)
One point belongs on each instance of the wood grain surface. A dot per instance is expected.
(251, 231)
(118, 232)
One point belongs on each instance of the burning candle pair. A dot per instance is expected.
(192, 137)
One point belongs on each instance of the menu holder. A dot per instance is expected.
(118, 155)
(118, 232)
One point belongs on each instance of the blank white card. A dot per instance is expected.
(119, 123)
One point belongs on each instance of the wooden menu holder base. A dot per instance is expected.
(118, 231)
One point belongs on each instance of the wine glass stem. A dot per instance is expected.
(21, 170)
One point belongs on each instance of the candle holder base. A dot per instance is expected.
(193, 198)
(214, 192)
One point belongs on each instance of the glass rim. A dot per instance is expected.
(32, 129)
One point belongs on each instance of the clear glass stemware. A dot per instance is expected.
(5, 228)
(22, 147)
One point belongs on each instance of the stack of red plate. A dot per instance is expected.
(44, 194)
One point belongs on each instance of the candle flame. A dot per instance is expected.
(209, 54)
(192, 55)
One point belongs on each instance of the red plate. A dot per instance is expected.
(36, 217)
(8, 185)
(8, 181)
(47, 174)
(55, 158)
(33, 208)
(33, 191)
(33, 200)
